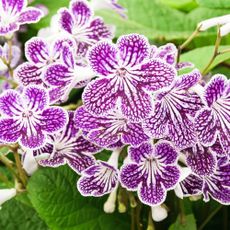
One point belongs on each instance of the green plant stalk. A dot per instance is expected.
(212, 214)
(150, 221)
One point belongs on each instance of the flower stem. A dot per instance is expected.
(133, 219)
(150, 221)
(8, 164)
(212, 214)
(215, 53)
(182, 212)
(186, 42)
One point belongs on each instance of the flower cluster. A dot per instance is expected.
(176, 127)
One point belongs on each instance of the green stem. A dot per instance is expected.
(215, 53)
(132, 219)
(150, 221)
(212, 214)
(182, 212)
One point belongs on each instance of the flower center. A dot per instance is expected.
(121, 72)
(27, 114)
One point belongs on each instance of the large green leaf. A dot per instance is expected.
(189, 223)
(214, 3)
(16, 215)
(184, 5)
(54, 195)
(201, 56)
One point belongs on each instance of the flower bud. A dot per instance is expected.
(225, 29)
(110, 204)
(159, 213)
(7, 194)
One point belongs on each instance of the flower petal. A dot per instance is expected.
(165, 153)
(85, 146)
(140, 153)
(28, 74)
(156, 74)
(169, 176)
(66, 21)
(133, 49)
(130, 176)
(81, 11)
(136, 105)
(168, 53)
(10, 103)
(103, 58)
(134, 134)
(56, 161)
(37, 51)
(30, 15)
(215, 89)
(33, 141)
(152, 194)
(36, 98)
(53, 119)
(8, 28)
(68, 56)
(14, 6)
(206, 127)
(99, 96)
(10, 130)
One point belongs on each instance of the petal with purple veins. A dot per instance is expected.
(152, 194)
(140, 153)
(13, 6)
(130, 176)
(85, 146)
(10, 103)
(81, 11)
(10, 130)
(167, 53)
(103, 58)
(66, 21)
(134, 134)
(30, 15)
(37, 51)
(156, 74)
(99, 96)
(206, 127)
(28, 74)
(36, 99)
(53, 119)
(165, 153)
(169, 176)
(215, 89)
(55, 161)
(8, 29)
(133, 49)
(136, 105)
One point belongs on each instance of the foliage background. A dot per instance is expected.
(52, 201)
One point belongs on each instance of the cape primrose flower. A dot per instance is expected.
(210, 176)
(78, 22)
(109, 129)
(213, 121)
(67, 147)
(40, 54)
(28, 118)
(15, 13)
(125, 75)
(175, 107)
(152, 172)
(101, 178)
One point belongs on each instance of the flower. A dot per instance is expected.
(109, 4)
(67, 147)
(210, 175)
(7, 194)
(101, 178)
(28, 118)
(125, 74)
(109, 129)
(78, 22)
(152, 171)
(15, 13)
(65, 76)
(174, 112)
(213, 121)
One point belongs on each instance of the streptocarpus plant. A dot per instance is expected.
(167, 126)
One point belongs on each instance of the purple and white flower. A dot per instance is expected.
(125, 75)
(210, 175)
(27, 118)
(67, 147)
(79, 22)
(174, 111)
(15, 13)
(109, 129)
(213, 121)
(152, 171)
(101, 178)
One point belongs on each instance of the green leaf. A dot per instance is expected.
(201, 56)
(189, 223)
(214, 3)
(184, 5)
(14, 215)
(54, 195)
(151, 18)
